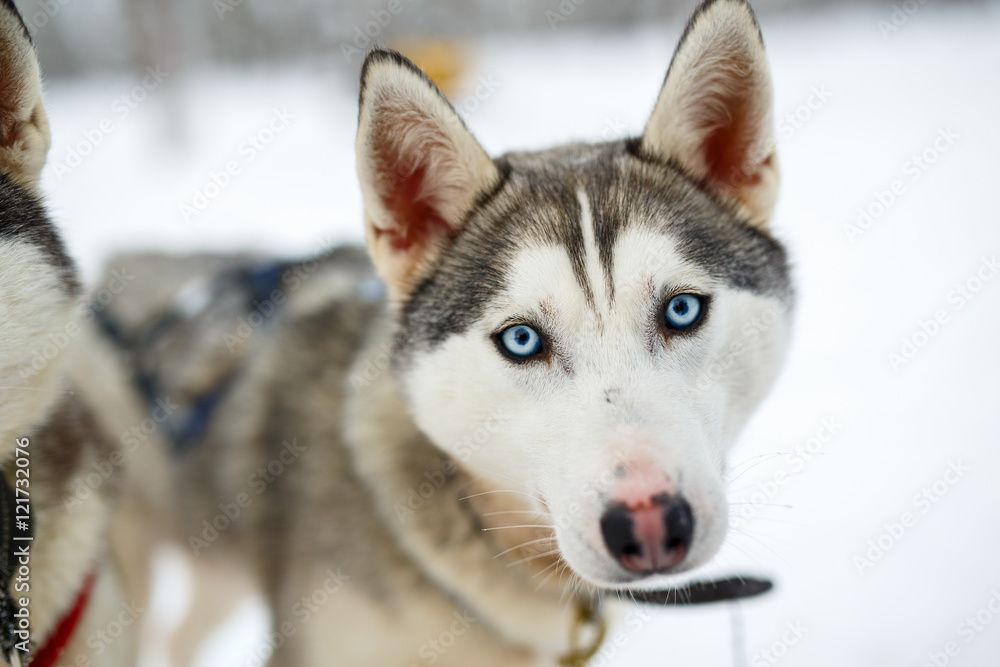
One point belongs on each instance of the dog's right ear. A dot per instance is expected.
(24, 127)
(714, 116)
(421, 170)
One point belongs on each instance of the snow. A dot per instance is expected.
(890, 432)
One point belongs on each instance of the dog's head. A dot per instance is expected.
(37, 280)
(589, 326)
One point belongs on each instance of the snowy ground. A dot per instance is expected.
(895, 432)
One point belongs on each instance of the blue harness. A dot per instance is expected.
(188, 428)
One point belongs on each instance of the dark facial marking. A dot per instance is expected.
(23, 219)
(538, 206)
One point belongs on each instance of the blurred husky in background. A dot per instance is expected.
(535, 413)
(61, 593)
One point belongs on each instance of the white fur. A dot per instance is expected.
(592, 258)
(563, 439)
(66, 549)
(33, 305)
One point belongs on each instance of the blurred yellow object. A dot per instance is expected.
(443, 62)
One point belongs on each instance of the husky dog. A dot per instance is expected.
(60, 593)
(536, 413)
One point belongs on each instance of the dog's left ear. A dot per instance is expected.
(24, 127)
(714, 114)
(421, 170)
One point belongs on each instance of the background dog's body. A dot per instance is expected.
(275, 486)
(42, 420)
(403, 489)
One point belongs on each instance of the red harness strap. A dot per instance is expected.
(47, 655)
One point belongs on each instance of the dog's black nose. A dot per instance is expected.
(649, 538)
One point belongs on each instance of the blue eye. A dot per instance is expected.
(683, 311)
(521, 340)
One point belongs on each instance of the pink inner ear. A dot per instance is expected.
(415, 220)
(728, 151)
(406, 194)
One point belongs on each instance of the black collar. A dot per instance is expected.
(701, 592)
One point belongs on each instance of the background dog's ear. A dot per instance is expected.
(421, 170)
(24, 127)
(714, 114)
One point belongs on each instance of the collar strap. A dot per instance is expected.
(702, 592)
(49, 653)
(698, 592)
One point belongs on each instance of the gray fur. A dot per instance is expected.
(23, 218)
(296, 386)
(537, 204)
(296, 377)
(321, 382)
